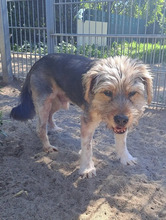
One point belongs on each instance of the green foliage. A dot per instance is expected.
(65, 47)
(148, 52)
(39, 48)
(152, 11)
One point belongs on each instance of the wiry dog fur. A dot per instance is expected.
(113, 90)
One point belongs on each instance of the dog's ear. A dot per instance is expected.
(147, 80)
(88, 83)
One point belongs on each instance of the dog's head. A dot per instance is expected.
(117, 89)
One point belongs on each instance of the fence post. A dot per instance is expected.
(50, 24)
(5, 43)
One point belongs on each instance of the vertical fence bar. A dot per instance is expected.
(5, 43)
(50, 24)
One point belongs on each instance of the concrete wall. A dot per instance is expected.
(91, 27)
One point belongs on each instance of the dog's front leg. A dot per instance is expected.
(122, 152)
(87, 168)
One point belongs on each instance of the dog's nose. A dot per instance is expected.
(121, 119)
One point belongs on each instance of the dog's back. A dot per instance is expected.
(64, 69)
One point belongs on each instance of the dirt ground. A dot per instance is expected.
(35, 185)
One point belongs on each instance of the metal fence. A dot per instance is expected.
(27, 27)
(100, 28)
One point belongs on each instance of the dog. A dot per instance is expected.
(114, 90)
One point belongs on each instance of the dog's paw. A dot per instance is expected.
(54, 128)
(128, 159)
(50, 149)
(87, 172)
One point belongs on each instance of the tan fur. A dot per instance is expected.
(45, 110)
(120, 75)
(130, 84)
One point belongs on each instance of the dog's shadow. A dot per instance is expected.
(113, 189)
(82, 197)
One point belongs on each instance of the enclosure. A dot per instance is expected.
(35, 185)
(100, 28)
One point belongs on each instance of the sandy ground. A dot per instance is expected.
(35, 185)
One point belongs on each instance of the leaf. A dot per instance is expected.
(20, 193)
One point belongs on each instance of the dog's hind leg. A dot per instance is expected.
(51, 124)
(43, 112)
(56, 105)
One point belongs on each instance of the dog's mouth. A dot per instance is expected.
(119, 130)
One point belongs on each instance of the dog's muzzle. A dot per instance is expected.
(121, 121)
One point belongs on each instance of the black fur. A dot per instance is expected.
(67, 71)
(25, 110)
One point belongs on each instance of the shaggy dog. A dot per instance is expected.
(113, 90)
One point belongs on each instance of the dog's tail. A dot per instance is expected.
(25, 110)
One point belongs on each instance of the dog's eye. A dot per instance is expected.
(108, 93)
(131, 94)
